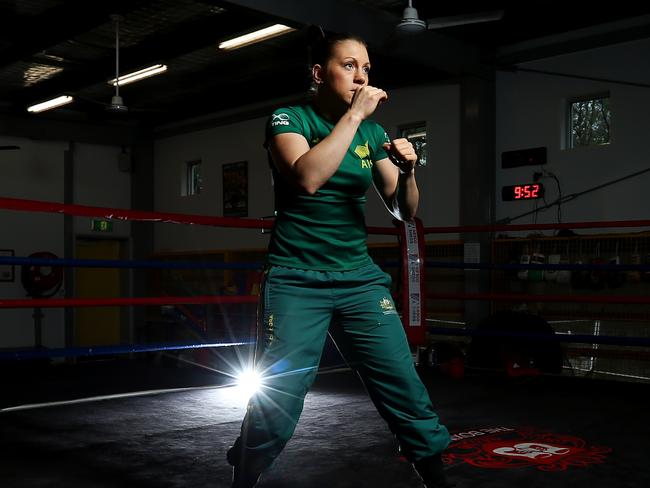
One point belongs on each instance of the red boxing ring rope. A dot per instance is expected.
(416, 334)
(511, 227)
(118, 302)
(23, 205)
(263, 223)
(638, 299)
(124, 214)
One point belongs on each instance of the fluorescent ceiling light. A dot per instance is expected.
(257, 36)
(55, 102)
(138, 75)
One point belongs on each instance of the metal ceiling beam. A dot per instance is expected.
(262, 88)
(235, 82)
(30, 35)
(577, 40)
(186, 38)
(51, 128)
(377, 27)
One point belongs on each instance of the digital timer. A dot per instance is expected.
(527, 191)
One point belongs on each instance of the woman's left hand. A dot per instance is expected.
(402, 153)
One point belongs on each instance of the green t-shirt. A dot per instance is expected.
(325, 231)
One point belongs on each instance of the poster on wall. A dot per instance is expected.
(235, 189)
(6, 270)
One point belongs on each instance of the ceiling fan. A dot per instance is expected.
(117, 103)
(412, 24)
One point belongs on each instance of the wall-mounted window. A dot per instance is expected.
(589, 121)
(194, 181)
(417, 135)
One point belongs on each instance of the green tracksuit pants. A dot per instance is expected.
(298, 307)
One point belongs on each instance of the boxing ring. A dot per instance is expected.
(520, 388)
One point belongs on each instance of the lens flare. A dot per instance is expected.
(248, 383)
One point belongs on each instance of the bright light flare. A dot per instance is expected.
(249, 382)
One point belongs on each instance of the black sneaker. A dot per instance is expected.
(431, 470)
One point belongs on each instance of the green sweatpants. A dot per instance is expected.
(297, 309)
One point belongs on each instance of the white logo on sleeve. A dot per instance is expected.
(279, 119)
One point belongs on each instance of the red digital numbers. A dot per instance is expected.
(526, 191)
(529, 191)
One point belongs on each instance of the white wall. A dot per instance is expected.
(214, 147)
(99, 182)
(36, 172)
(438, 181)
(531, 112)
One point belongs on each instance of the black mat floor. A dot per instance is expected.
(534, 432)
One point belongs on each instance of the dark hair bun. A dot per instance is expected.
(320, 44)
(315, 35)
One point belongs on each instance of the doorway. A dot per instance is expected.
(96, 326)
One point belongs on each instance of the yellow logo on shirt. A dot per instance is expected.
(364, 154)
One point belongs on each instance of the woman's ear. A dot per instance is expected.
(316, 74)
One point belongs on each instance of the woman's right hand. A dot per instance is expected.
(366, 99)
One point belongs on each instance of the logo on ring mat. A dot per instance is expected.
(506, 447)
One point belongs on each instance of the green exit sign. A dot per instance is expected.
(102, 226)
